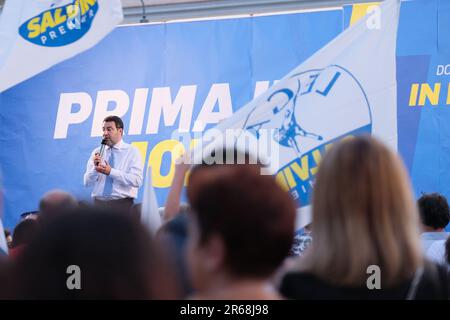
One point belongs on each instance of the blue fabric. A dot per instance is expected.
(107, 191)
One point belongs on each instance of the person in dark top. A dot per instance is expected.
(240, 231)
(366, 232)
(113, 252)
(23, 235)
(447, 252)
(173, 237)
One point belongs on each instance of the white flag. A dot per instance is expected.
(347, 88)
(150, 217)
(3, 242)
(35, 35)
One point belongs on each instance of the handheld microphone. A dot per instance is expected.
(102, 151)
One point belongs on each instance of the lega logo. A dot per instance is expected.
(60, 26)
(312, 111)
(315, 107)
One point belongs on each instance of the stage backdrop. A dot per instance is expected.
(170, 82)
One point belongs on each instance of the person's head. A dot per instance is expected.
(24, 232)
(241, 225)
(112, 130)
(216, 164)
(54, 203)
(115, 256)
(363, 214)
(434, 212)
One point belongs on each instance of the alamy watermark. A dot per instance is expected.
(73, 281)
(218, 147)
(374, 279)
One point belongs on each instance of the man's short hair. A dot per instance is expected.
(24, 232)
(116, 120)
(434, 210)
(56, 202)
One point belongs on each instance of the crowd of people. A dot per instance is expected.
(236, 238)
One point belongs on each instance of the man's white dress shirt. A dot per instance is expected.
(127, 172)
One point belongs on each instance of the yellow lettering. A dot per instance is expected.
(47, 21)
(290, 178)
(58, 18)
(303, 171)
(317, 156)
(431, 95)
(155, 161)
(359, 11)
(91, 2)
(413, 95)
(448, 94)
(281, 180)
(83, 6)
(34, 28)
(72, 10)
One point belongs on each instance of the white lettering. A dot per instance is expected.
(138, 111)
(52, 35)
(374, 281)
(373, 21)
(260, 88)
(220, 95)
(62, 30)
(73, 281)
(65, 117)
(162, 101)
(122, 102)
(443, 70)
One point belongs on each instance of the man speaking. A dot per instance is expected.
(115, 169)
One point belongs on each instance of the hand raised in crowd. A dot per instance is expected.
(104, 168)
(182, 166)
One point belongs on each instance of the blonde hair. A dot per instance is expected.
(363, 214)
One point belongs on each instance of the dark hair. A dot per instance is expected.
(115, 254)
(116, 120)
(54, 203)
(224, 156)
(434, 210)
(252, 214)
(24, 232)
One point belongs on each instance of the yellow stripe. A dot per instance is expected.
(359, 11)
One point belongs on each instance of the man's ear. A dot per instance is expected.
(215, 253)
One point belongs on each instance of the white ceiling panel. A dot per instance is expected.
(138, 3)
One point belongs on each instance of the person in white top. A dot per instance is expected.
(117, 176)
(435, 216)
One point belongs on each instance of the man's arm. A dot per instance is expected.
(91, 175)
(133, 176)
(172, 207)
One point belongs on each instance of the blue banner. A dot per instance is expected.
(185, 77)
